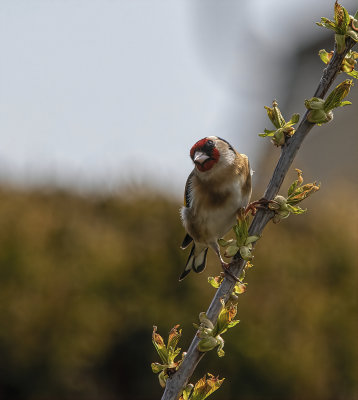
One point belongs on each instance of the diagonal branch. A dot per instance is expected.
(176, 383)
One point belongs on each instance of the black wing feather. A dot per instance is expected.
(188, 239)
(187, 190)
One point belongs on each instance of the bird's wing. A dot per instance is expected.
(188, 239)
(188, 190)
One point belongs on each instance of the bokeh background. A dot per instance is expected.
(100, 103)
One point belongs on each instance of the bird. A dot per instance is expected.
(217, 192)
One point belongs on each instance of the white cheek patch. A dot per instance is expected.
(227, 158)
(231, 157)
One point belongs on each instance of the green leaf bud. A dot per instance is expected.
(205, 320)
(231, 251)
(245, 253)
(319, 116)
(274, 206)
(282, 201)
(204, 332)
(207, 344)
(314, 103)
(283, 213)
(251, 239)
(224, 243)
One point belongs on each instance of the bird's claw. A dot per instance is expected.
(226, 268)
(252, 207)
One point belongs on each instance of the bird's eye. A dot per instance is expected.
(210, 142)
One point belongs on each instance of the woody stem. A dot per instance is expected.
(176, 383)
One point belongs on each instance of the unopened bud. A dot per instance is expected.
(315, 103)
(283, 213)
(231, 251)
(319, 116)
(224, 243)
(207, 344)
(245, 253)
(280, 201)
(205, 320)
(251, 239)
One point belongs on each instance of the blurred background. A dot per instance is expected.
(100, 103)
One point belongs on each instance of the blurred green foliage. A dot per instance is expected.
(84, 278)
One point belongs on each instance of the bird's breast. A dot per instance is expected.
(213, 211)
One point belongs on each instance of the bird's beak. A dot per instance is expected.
(200, 157)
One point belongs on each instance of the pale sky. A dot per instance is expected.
(98, 93)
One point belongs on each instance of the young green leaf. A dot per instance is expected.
(226, 316)
(205, 387)
(348, 63)
(335, 98)
(353, 74)
(215, 282)
(159, 345)
(173, 339)
(156, 367)
(341, 18)
(187, 392)
(342, 26)
(296, 209)
(284, 129)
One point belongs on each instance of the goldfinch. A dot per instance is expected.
(216, 193)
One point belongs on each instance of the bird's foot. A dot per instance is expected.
(226, 268)
(252, 207)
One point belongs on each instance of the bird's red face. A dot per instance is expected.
(204, 154)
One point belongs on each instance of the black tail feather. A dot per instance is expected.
(192, 263)
(187, 240)
(189, 263)
(201, 267)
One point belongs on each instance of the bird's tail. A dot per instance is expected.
(196, 260)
